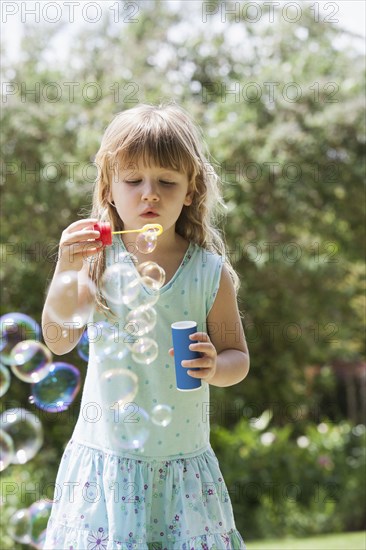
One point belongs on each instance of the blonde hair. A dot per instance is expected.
(166, 136)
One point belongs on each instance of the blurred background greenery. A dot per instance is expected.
(282, 107)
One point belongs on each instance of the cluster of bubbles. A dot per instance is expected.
(53, 386)
(28, 525)
(131, 290)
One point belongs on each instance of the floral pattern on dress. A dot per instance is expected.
(178, 504)
(97, 540)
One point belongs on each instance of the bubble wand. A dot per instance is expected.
(104, 229)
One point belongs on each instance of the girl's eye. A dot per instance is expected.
(167, 182)
(132, 181)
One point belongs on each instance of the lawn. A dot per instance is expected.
(341, 541)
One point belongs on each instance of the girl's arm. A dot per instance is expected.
(76, 245)
(225, 356)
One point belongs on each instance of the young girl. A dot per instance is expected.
(167, 493)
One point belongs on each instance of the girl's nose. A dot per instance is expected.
(149, 193)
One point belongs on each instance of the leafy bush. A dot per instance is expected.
(283, 484)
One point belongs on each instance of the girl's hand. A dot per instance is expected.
(206, 363)
(78, 242)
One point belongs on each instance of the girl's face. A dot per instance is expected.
(150, 194)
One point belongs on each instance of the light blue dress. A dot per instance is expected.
(163, 489)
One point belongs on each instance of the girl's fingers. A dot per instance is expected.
(201, 336)
(204, 347)
(201, 363)
(80, 224)
(80, 236)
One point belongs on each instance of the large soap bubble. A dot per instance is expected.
(145, 350)
(131, 428)
(39, 513)
(153, 273)
(16, 327)
(109, 339)
(141, 321)
(19, 526)
(6, 450)
(58, 389)
(114, 347)
(118, 386)
(26, 431)
(141, 299)
(31, 361)
(117, 284)
(65, 306)
(5, 380)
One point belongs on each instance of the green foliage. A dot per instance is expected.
(282, 485)
(292, 175)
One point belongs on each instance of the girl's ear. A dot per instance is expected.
(188, 198)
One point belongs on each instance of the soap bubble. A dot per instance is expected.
(117, 283)
(161, 415)
(119, 386)
(142, 299)
(140, 322)
(26, 431)
(145, 350)
(146, 242)
(83, 346)
(39, 513)
(65, 307)
(109, 341)
(58, 390)
(131, 429)
(16, 327)
(113, 347)
(6, 450)
(19, 526)
(31, 361)
(5, 379)
(153, 273)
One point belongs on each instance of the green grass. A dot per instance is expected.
(341, 541)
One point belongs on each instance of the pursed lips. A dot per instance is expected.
(149, 212)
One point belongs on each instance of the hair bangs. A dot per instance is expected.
(158, 145)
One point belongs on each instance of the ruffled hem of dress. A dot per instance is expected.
(79, 539)
(104, 501)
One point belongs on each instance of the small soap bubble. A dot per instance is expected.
(146, 242)
(6, 450)
(19, 526)
(117, 284)
(153, 273)
(119, 386)
(39, 513)
(145, 350)
(26, 431)
(131, 428)
(16, 327)
(141, 321)
(5, 380)
(31, 361)
(65, 305)
(161, 415)
(83, 346)
(58, 389)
